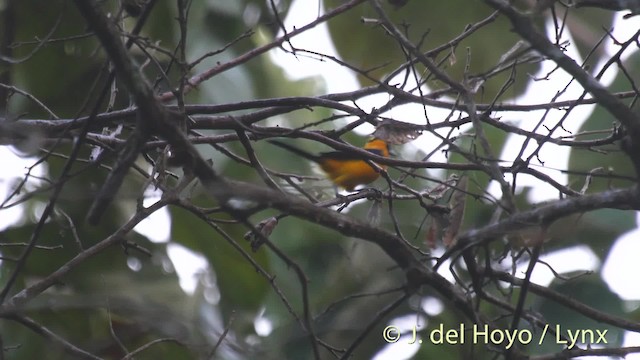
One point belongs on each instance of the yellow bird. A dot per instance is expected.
(346, 170)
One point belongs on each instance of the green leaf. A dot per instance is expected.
(242, 289)
(593, 292)
(74, 72)
(367, 46)
(587, 26)
(596, 229)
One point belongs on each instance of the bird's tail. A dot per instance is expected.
(295, 150)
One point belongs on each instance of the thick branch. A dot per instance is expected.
(523, 25)
(624, 199)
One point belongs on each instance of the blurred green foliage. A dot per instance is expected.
(123, 299)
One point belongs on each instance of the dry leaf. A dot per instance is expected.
(456, 215)
(397, 132)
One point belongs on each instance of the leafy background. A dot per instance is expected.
(139, 299)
